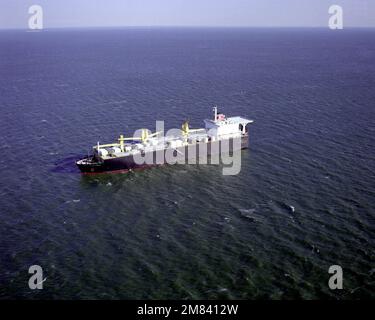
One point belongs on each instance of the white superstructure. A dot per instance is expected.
(221, 126)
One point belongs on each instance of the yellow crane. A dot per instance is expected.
(144, 137)
(186, 130)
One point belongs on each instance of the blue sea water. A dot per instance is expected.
(188, 232)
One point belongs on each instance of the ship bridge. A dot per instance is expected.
(222, 126)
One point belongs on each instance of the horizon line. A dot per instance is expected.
(184, 26)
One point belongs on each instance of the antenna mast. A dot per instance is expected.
(215, 111)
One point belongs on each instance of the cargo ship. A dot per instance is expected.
(186, 146)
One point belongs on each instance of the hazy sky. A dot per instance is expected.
(261, 13)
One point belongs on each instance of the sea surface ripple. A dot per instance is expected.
(303, 201)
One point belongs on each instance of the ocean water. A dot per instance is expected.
(303, 201)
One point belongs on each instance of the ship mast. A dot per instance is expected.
(215, 113)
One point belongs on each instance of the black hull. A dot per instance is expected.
(128, 163)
